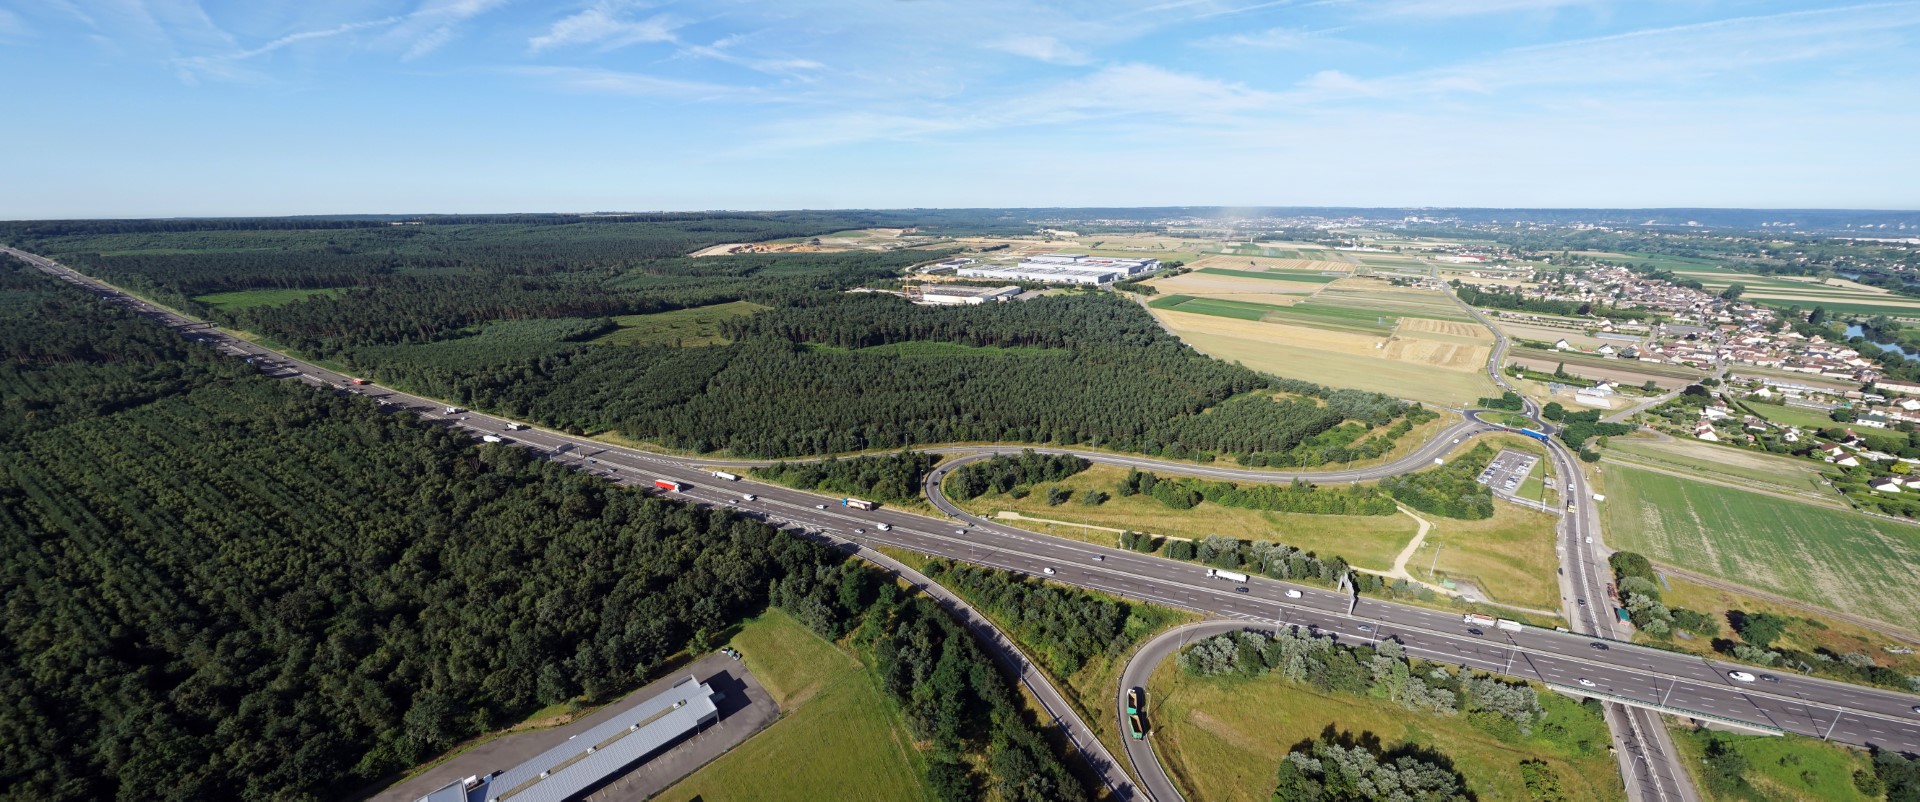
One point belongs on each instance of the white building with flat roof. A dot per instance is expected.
(1064, 268)
(956, 294)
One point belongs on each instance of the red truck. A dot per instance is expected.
(358, 381)
(667, 485)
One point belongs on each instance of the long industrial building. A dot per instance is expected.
(1063, 268)
(587, 759)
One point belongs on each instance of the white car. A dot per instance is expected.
(1586, 683)
(747, 497)
(1740, 676)
(1047, 571)
(1293, 594)
(819, 506)
(1589, 538)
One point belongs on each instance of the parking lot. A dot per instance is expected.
(1507, 470)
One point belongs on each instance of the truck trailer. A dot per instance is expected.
(492, 438)
(856, 503)
(727, 476)
(1478, 620)
(1510, 626)
(1216, 573)
(668, 485)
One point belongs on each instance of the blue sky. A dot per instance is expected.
(222, 107)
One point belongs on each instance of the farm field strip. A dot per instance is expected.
(1834, 558)
(1274, 275)
(1333, 358)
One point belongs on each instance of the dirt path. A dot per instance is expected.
(1399, 570)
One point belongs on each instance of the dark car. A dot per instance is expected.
(1240, 590)
(1475, 632)
(1598, 645)
(1769, 678)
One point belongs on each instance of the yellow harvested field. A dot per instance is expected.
(1550, 334)
(1216, 285)
(1260, 263)
(1421, 325)
(1431, 371)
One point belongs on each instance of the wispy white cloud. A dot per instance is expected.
(1042, 48)
(224, 65)
(603, 26)
(1281, 38)
(1468, 8)
(587, 80)
(433, 24)
(1654, 57)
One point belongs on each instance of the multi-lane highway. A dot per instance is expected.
(1616, 670)
(1648, 762)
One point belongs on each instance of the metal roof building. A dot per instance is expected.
(585, 760)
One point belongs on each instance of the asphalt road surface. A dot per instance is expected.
(1806, 705)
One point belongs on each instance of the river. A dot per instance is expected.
(1856, 331)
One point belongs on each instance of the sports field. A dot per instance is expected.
(1834, 558)
(242, 299)
(825, 695)
(1222, 738)
(684, 328)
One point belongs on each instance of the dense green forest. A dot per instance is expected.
(1186, 492)
(501, 314)
(219, 586)
(1066, 627)
(1449, 490)
(892, 477)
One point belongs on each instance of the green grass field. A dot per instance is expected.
(679, 328)
(244, 299)
(1222, 738)
(1277, 275)
(1368, 541)
(825, 696)
(1783, 768)
(1794, 416)
(1834, 558)
(1240, 310)
(1759, 470)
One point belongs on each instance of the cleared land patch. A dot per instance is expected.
(683, 328)
(1837, 559)
(1273, 275)
(243, 299)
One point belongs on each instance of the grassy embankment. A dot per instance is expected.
(1784, 768)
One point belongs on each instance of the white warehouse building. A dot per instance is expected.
(1064, 268)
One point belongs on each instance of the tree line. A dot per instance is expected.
(1297, 496)
(1065, 627)
(1003, 473)
(891, 477)
(1450, 490)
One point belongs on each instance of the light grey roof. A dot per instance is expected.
(451, 792)
(639, 731)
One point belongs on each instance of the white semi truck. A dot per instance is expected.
(1216, 573)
